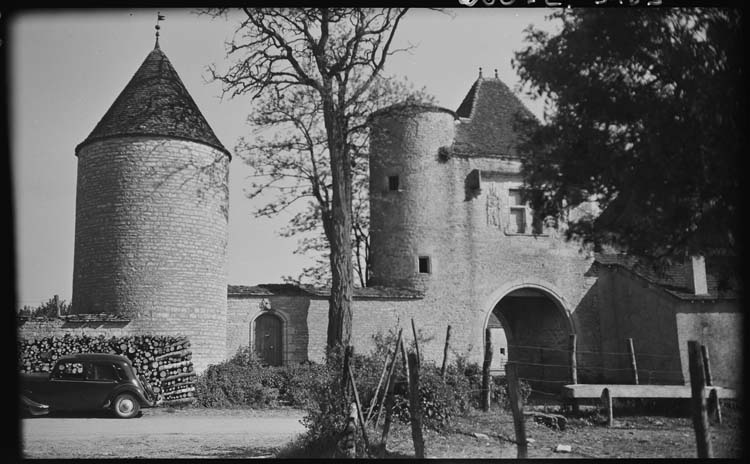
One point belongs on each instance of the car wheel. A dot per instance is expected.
(126, 406)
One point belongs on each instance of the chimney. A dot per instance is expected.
(697, 275)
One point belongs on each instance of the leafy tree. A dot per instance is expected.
(644, 116)
(48, 309)
(329, 57)
(290, 157)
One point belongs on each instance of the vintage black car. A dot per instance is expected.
(88, 382)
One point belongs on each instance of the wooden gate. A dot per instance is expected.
(268, 339)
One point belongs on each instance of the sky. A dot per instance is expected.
(66, 68)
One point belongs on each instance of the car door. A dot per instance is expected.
(100, 380)
(66, 385)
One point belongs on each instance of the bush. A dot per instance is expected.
(240, 381)
(500, 393)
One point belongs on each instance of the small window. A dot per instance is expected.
(393, 184)
(424, 265)
(502, 350)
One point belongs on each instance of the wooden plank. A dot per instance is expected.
(637, 391)
(359, 409)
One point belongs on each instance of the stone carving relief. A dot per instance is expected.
(493, 205)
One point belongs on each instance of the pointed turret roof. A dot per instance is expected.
(155, 102)
(490, 113)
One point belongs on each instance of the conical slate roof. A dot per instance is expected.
(491, 115)
(155, 102)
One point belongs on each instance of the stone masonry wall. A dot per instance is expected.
(465, 232)
(151, 236)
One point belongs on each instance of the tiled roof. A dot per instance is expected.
(675, 279)
(492, 111)
(155, 102)
(307, 290)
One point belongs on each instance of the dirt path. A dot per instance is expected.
(159, 434)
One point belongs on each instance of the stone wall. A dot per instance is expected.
(660, 325)
(151, 236)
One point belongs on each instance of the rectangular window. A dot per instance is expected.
(101, 372)
(393, 184)
(424, 265)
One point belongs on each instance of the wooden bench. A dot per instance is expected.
(607, 392)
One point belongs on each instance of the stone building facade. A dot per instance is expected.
(452, 243)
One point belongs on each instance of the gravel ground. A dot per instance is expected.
(162, 433)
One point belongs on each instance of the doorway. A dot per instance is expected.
(268, 341)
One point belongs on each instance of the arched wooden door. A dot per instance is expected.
(268, 339)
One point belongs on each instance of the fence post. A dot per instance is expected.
(700, 416)
(633, 366)
(573, 361)
(445, 352)
(714, 406)
(706, 365)
(516, 406)
(573, 368)
(416, 407)
(416, 342)
(486, 379)
(607, 401)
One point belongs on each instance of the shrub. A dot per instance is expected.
(237, 382)
(500, 393)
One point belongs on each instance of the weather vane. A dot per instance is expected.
(159, 17)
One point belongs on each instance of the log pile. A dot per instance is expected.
(164, 361)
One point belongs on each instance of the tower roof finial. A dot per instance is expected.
(496, 73)
(159, 17)
(480, 71)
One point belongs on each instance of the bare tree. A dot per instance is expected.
(289, 155)
(331, 57)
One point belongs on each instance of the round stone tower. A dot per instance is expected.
(152, 208)
(408, 191)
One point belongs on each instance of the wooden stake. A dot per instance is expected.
(706, 365)
(714, 406)
(359, 411)
(486, 379)
(445, 352)
(348, 352)
(415, 406)
(416, 343)
(573, 361)
(404, 361)
(350, 433)
(388, 405)
(374, 400)
(633, 365)
(700, 416)
(389, 380)
(607, 401)
(516, 406)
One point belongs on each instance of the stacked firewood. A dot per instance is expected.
(164, 361)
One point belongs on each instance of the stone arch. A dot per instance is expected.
(537, 323)
(284, 322)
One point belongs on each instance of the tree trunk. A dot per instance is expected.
(338, 226)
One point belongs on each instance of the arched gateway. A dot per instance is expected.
(531, 325)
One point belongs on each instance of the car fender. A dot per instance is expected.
(145, 403)
(34, 408)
